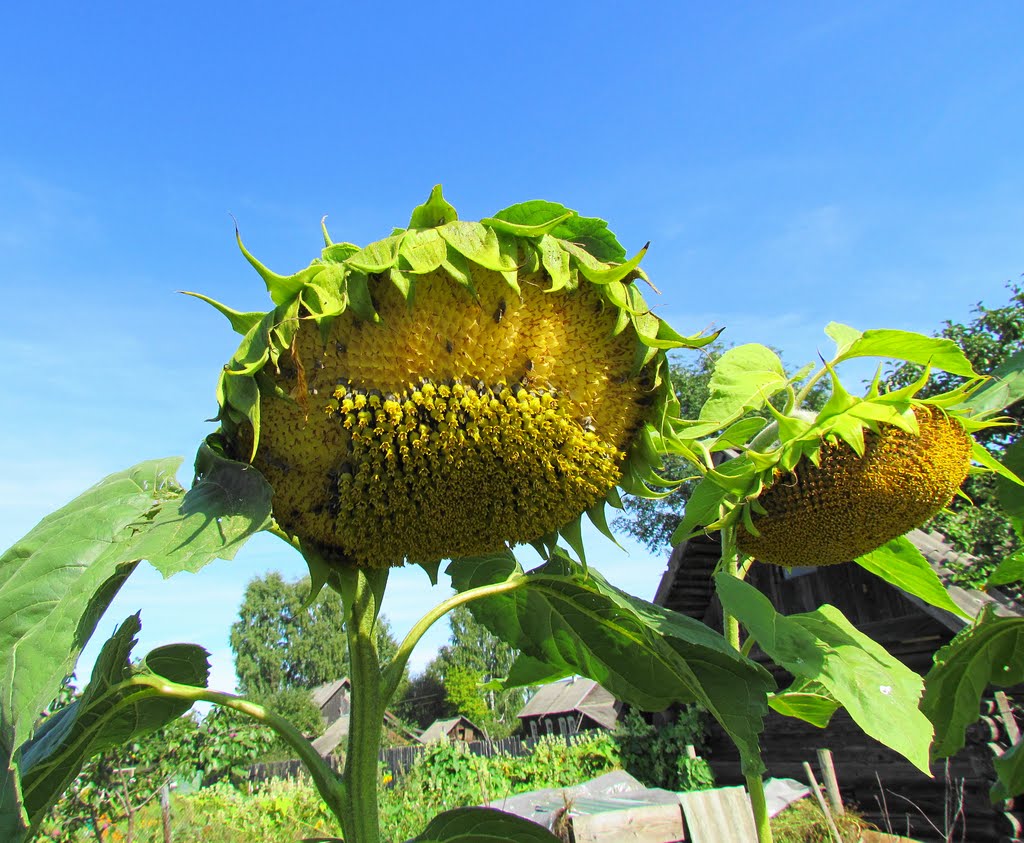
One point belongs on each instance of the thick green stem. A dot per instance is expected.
(730, 564)
(393, 672)
(362, 590)
(755, 787)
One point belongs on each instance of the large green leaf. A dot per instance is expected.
(575, 622)
(1005, 388)
(1010, 772)
(57, 581)
(900, 563)
(482, 825)
(937, 352)
(1010, 570)
(107, 714)
(879, 692)
(745, 377)
(991, 652)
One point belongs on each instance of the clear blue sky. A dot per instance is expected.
(792, 163)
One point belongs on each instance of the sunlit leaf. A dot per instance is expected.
(57, 581)
(900, 563)
(814, 708)
(745, 377)
(991, 652)
(575, 622)
(880, 693)
(937, 352)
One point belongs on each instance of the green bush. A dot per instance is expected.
(657, 757)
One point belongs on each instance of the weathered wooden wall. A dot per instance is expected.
(880, 782)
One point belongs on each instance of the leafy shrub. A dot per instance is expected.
(657, 757)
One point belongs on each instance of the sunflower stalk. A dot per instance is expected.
(730, 564)
(362, 590)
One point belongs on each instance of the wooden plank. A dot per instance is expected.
(722, 815)
(643, 824)
(1006, 713)
(828, 774)
(813, 782)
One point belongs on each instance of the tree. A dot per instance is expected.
(279, 643)
(425, 699)
(473, 656)
(989, 340)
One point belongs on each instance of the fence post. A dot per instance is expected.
(165, 811)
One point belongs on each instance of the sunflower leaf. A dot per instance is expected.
(482, 825)
(574, 621)
(434, 212)
(745, 377)
(901, 564)
(937, 352)
(880, 693)
(105, 716)
(56, 582)
(990, 652)
(593, 235)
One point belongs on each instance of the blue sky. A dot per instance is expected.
(791, 163)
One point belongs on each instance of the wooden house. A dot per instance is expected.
(569, 706)
(334, 701)
(877, 779)
(454, 729)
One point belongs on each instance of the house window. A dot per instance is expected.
(563, 726)
(533, 729)
(549, 726)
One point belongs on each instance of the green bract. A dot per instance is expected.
(453, 388)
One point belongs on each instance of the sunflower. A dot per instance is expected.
(452, 389)
(820, 488)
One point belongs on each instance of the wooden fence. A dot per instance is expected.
(400, 758)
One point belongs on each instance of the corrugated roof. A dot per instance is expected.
(441, 729)
(580, 695)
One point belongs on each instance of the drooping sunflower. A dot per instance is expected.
(820, 488)
(453, 388)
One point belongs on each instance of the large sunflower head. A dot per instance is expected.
(818, 488)
(452, 389)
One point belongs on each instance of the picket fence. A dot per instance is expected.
(400, 758)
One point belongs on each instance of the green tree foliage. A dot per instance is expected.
(425, 699)
(284, 649)
(114, 786)
(279, 644)
(472, 657)
(989, 340)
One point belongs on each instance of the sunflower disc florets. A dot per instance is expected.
(453, 389)
(849, 504)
